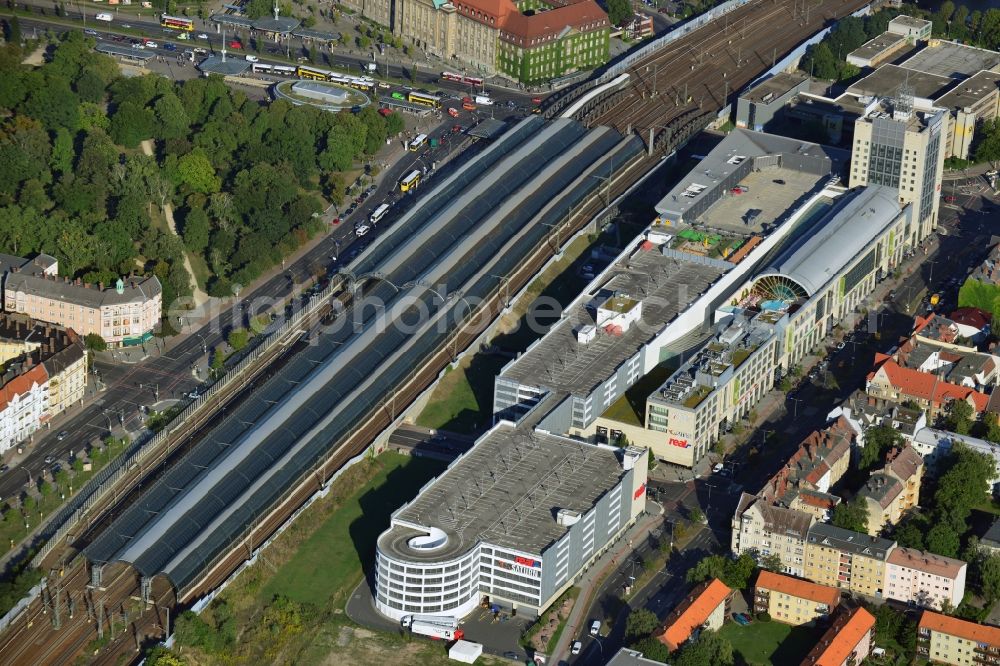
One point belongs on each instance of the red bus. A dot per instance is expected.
(177, 23)
(462, 78)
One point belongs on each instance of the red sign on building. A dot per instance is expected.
(682, 443)
(639, 491)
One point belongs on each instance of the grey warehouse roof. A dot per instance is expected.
(887, 80)
(970, 91)
(953, 60)
(855, 221)
(723, 160)
(505, 491)
(849, 541)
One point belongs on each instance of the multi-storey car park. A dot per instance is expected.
(515, 520)
(455, 246)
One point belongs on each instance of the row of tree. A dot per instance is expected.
(943, 523)
(248, 180)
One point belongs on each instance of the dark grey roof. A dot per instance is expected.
(857, 219)
(231, 66)
(849, 541)
(124, 51)
(487, 128)
(952, 59)
(281, 24)
(992, 536)
(135, 290)
(58, 347)
(776, 86)
(229, 19)
(316, 34)
(969, 92)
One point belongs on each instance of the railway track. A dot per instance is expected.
(682, 84)
(32, 638)
(705, 68)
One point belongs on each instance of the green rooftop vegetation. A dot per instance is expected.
(741, 355)
(631, 407)
(699, 394)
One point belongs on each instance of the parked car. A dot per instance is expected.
(149, 44)
(577, 647)
(92, 33)
(236, 44)
(252, 58)
(169, 47)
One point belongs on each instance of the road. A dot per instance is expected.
(169, 374)
(269, 51)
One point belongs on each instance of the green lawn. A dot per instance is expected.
(327, 567)
(766, 643)
(463, 399)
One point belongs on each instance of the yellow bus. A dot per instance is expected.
(424, 98)
(312, 73)
(410, 182)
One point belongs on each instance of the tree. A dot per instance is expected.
(710, 649)
(131, 124)
(238, 338)
(987, 148)
(652, 648)
(218, 360)
(911, 534)
(197, 172)
(943, 540)
(960, 417)
(95, 342)
(989, 577)
(640, 624)
(852, 515)
(879, 440)
(196, 228)
(619, 11)
(13, 33)
(771, 562)
(163, 656)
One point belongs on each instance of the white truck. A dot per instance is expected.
(484, 100)
(439, 628)
(104, 16)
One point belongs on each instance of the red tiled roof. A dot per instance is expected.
(802, 589)
(924, 385)
(530, 30)
(953, 626)
(584, 15)
(706, 599)
(973, 317)
(22, 384)
(840, 640)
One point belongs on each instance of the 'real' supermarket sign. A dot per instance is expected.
(680, 443)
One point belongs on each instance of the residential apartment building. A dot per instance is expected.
(530, 41)
(705, 607)
(890, 381)
(791, 600)
(949, 640)
(924, 578)
(45, 372)
(22, 403)
(123, 315)
(902, 148)
(820, 461)
(933, 445)
(893, 490)
(847, 560)
(760, 526)
(847, 642)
